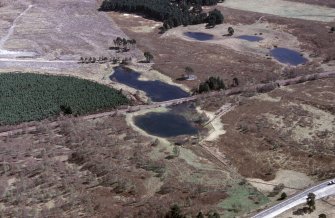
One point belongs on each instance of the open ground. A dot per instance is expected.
(103, 167)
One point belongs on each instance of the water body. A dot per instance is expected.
(166, 124)
(199, 36)
(288, 56)
(156, 90)
(250, 38)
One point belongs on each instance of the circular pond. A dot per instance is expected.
(166, 124)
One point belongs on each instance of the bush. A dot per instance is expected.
(174, 212)
(278, 188)
(282, 196)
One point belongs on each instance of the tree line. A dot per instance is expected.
(172, 13)
(103, 60)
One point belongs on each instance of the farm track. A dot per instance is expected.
(234, 91)
(12, 28)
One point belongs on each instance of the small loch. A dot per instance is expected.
(156, 90)
(167, 124)
(250, 38)
(199, 36)
(288, 56)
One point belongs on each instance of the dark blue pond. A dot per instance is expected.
(199, 36)
(156, 90)
(166, 124)
(288, 56)
(250, 38)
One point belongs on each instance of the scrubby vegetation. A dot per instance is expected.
(26, 97)
(172, 13)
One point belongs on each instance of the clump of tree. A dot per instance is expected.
(332, 29)
(102, 60)
(310, 201)
(123, 44)
(211, 84)
(148, 56)
(172, 13)
(214, 17)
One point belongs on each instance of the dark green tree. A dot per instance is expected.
(230, 31)
(311, 201)
(211, 84)
(235, 82)
(148, 56)
(174, 212)
(203, 87)
(66, 109)
(216, 15)
(200, 215)
(282, 196)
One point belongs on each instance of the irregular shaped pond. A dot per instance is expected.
(250, 38)
(166, 124)
(156, 90)
(199, 36)
(288, 56)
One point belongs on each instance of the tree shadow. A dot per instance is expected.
(143, 62)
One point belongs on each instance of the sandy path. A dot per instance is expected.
(11, 29)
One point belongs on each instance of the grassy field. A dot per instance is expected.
(27, 97)
(242, 198)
